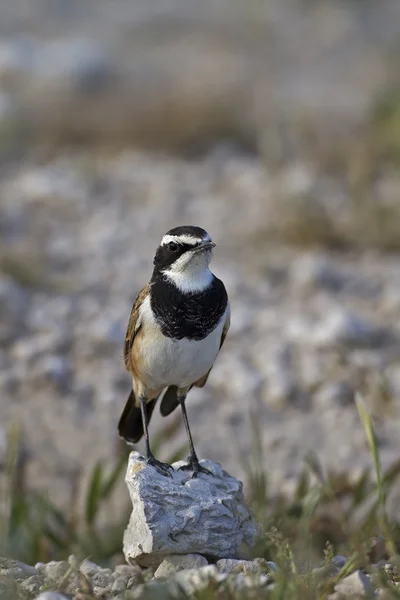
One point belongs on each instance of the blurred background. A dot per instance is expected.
(273, 124)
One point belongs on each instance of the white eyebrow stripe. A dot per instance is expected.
(181, 239)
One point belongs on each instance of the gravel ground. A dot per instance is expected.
(187, 575)
(79, 227)
(307, 327)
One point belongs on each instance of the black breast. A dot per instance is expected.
(192, 315)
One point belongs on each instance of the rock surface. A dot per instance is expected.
(354, 586)
(177, 562)
(180, 515)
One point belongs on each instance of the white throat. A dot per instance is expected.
(190, 273)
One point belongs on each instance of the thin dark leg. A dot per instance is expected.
(193, 461)
(162, 468)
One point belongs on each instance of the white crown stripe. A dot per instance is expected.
(182, 239)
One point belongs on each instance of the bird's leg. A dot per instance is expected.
(193, 462)
(162, 468)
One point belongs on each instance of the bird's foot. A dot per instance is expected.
(194, 466)
(162, 468)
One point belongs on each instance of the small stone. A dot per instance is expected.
(102, 579)
(230, 565)
(339, 561)
(180, 515)
(32, 584)
(327, 570)
(54, 570)
(176, 562)
(194, 580)
(135, 580)
(356, 585)
(89, 568)
(73, 584)
(154, 590)
(119, 585)
(16, 569)
(128, 570)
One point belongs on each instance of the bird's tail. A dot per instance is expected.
(130, 426)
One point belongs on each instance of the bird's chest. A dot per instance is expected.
(187, 316)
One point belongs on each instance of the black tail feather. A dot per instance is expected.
(130, 426)
(170, 401)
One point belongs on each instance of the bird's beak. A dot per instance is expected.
(205, 246)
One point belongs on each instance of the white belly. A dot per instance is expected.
(176, 362)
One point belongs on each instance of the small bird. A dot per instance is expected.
(176, 328)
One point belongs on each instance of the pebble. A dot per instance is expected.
(55, 570)
(230, 565)
(32, 584)
(356, 585)
(188, 573)
(194, 580)
(89, 568)
(119, 585)
(16, 569)
(176, 562)
(129, 570)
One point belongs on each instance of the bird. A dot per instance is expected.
(177, 326)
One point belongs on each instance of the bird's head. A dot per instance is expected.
(183, 257)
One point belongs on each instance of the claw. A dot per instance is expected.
(160, 467)
(194, 466)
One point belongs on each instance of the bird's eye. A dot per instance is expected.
(173, 246)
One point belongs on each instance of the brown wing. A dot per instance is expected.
(201, 382)
(134, 325)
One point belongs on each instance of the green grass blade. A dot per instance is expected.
(94, 494)
(367, 424)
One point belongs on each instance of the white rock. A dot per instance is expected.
(178, 562)
(356, 585)
(55, 570)
(178, 515)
